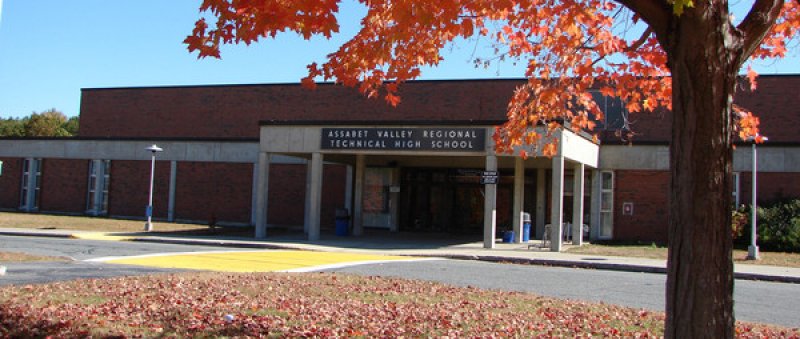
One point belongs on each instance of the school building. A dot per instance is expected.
(281, 156)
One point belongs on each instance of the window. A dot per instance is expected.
(97, 195)
(31, 184)
(606, 204)
(376, 198)
(735, 190)
(615, 115)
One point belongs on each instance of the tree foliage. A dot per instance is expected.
(50, 123)
(12, 127)
(569, 46)
(683, 55)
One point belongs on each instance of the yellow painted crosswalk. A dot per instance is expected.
(255, 261)
(100, 236)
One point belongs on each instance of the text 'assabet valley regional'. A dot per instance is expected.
(441, 139)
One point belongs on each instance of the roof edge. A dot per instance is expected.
(381, 123)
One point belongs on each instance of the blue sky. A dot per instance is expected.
(50, 49)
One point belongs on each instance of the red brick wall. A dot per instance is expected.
(64, 185)
(130, 184)
(775, 102)
(234, 111)
(221, 190)
(771, 187)
(10, 182)
(287, 192)
(649, 193)
(287, 185)
(333, 188)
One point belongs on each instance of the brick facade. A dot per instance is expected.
(64, 185)
(235, 111)
(287, 193)
(649, 193)
(776, 102)
(129, 188)
(772, 187)
(218, 191)
(10, 182)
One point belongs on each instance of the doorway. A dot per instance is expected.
(449, 201)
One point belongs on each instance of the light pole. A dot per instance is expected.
(148, 226)
(752, 250)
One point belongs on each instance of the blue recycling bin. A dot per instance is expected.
(342, 222)
(508, 237)
(526, 227)
(342, 227)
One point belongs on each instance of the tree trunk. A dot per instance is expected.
(701, 57)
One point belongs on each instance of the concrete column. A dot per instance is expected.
(262, 194)
(173, 176)
(519, 197)
(541, 206)
(348, 189)
(557, 208)
(594, 224)
(394, 202)
(577, 205)
(490, 206)
(358, 214)
(254, 194)
(315, 197)
(307, 201)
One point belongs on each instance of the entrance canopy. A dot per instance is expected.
(466, 146)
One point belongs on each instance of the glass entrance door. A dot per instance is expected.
(448, 201)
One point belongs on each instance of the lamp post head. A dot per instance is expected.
(153, 148)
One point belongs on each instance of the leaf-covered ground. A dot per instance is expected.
(309, 305)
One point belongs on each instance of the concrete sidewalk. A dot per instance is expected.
(426, 247)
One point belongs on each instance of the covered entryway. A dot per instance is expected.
(442, 177)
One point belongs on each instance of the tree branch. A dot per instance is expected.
(641, 41)
(656, 13)
(757, 24)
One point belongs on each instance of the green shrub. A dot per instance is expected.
(779, 226)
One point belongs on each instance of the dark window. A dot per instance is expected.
(615, 115)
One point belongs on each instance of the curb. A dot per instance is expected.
(37, 234)
(611, 267)
(202, 242)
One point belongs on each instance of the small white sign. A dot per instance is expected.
(627, 208)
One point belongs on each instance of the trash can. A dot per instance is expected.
(342, 222)
(526, 227)
(508, 237)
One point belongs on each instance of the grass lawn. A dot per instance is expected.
(658, 252)
(81, 223)
(311, 305)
